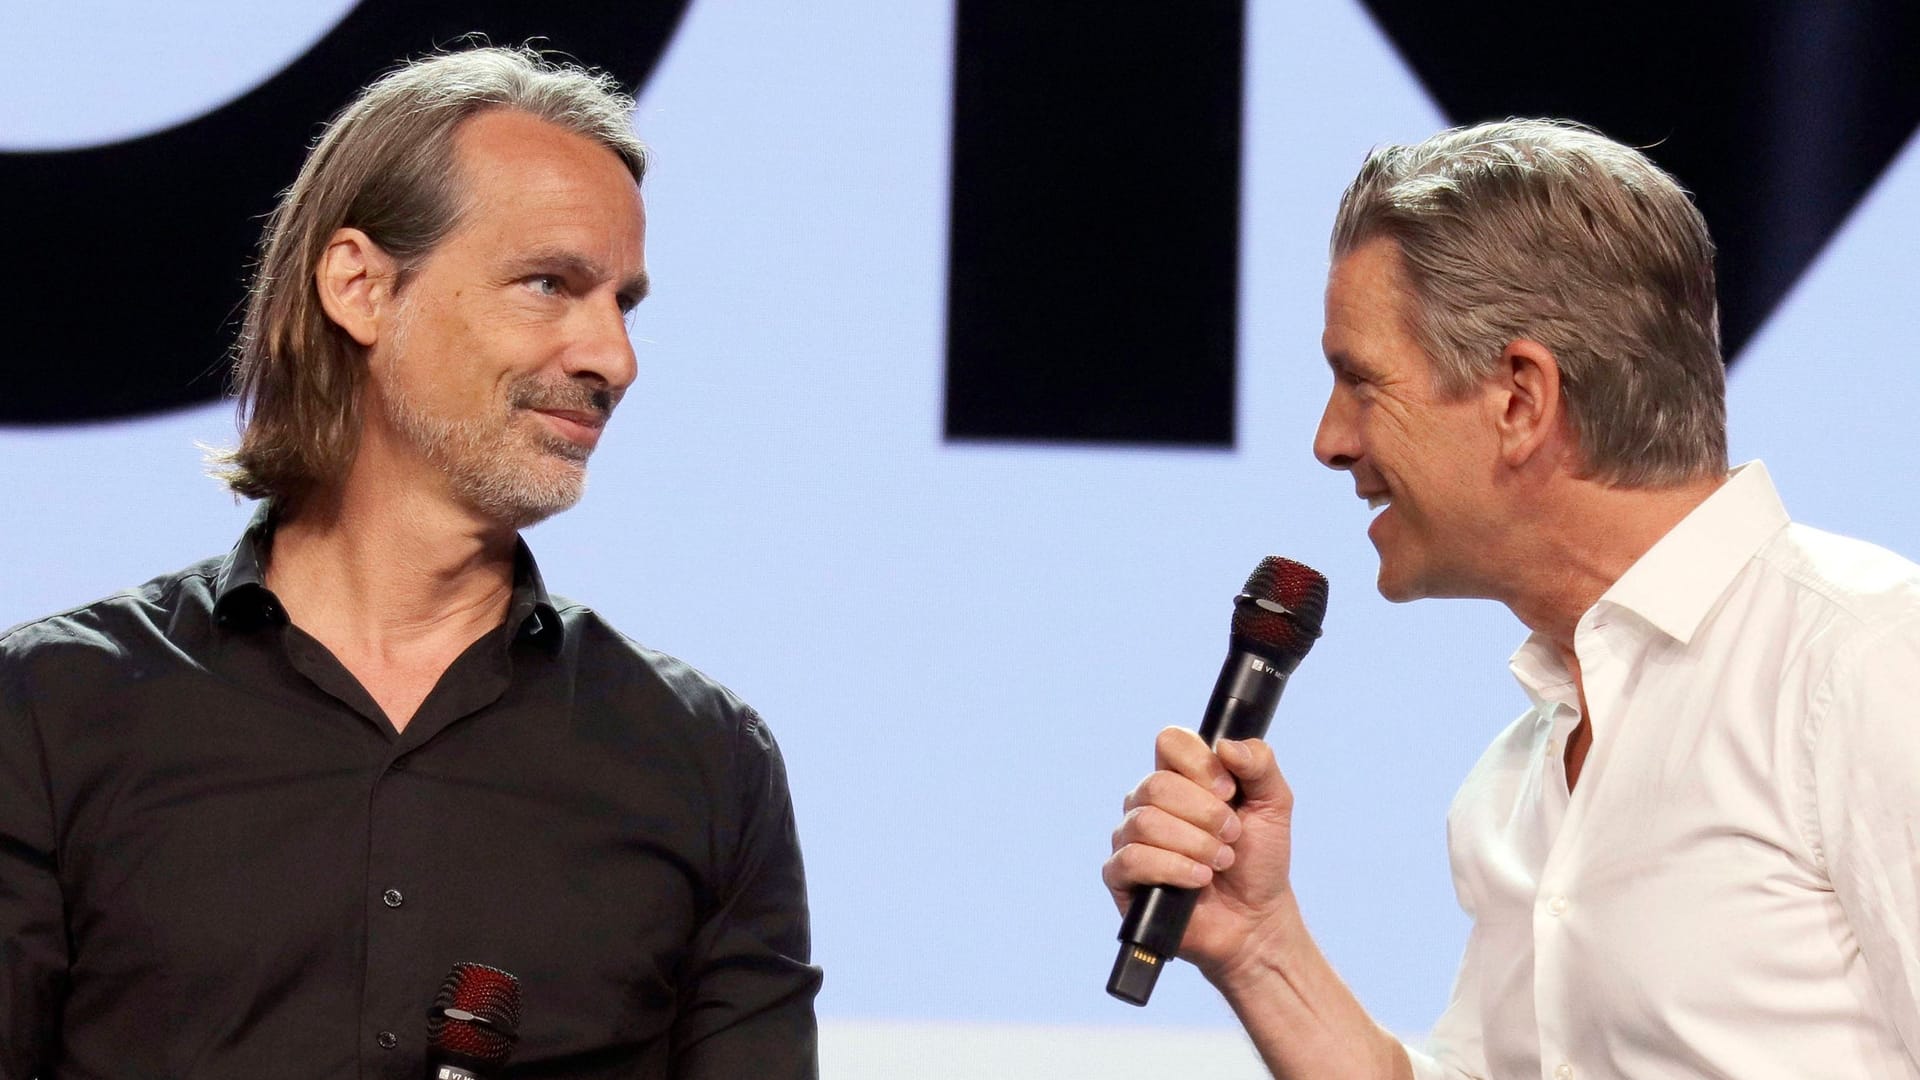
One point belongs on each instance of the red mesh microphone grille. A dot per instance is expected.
(493, 997)
(1287, 623)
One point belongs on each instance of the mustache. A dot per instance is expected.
(562, 395)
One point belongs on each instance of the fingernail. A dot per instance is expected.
(1231, 830)
(1200, 874)
(1232, 749)
(1224, 786)
(1223, 858)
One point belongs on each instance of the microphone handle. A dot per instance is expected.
(1242, 705)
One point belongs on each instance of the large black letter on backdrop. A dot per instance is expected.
(1778, 114)
(130, 259)
(1094, 261)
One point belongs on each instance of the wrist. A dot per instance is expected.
(1301, 1016)
(1266, 954)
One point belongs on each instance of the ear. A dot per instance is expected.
(355, 280)
(1528, 409)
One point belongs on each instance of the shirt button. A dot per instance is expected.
(398, 764)
(388, 1040)
(1563, 1071)
(1557, 906)
(392, 898)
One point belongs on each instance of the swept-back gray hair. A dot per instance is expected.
(386, 166)
(1549, 231)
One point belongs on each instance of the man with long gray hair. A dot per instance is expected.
(254, 812)
(1695, 853)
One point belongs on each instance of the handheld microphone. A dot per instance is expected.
(1276, 618)
(473, 1024)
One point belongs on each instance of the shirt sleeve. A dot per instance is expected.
(1865, 752)
(33, 941)
(746, 1004)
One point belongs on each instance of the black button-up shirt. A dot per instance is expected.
(219, 859)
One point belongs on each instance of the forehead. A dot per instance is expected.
(1367, 304)
(528, 180)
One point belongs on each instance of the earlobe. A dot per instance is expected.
(1530, 405)
(354, 278)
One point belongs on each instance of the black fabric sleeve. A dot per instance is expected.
(33, 940)
(746, 1001)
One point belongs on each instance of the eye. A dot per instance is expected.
(545, 284)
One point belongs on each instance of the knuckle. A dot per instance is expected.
(1152, 789)
(1169, 737)
(1124, 865)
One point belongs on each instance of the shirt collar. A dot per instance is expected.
(1675, 585)
(530, 608)
(1679, 580)
(240, 594)
(241, 597)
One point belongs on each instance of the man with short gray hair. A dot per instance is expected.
(252, 813)
(1695, 853)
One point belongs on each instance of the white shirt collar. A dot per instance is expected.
(1679, 580)
(1675, 585)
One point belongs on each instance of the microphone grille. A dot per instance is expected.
(1280, 608)
(492, 998)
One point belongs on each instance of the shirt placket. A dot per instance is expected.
(1556, 907)
(392, 1029)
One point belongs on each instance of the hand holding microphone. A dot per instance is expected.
(1200, 862)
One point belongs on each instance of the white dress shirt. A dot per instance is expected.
(1733, 888)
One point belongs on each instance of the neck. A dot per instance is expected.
(386, 569)
(1579, 540)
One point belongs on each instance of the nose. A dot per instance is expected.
(602, 349)
(1335, 443)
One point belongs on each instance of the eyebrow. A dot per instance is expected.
(1343, 366)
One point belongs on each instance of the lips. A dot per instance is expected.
(578, 426)
(579, 417)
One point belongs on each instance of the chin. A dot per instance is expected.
(518, 498)
(1398, 586)
(1396, 592)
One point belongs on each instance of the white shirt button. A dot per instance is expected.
(1563, 1071)
(1556, 907)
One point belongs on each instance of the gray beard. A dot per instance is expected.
(496, 466)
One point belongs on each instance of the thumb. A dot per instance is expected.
(1253, 767)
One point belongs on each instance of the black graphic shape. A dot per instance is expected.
(129, 261)
(1777, 114)
(1095, 222)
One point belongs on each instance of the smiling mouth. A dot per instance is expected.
(1375, 502)
(577, 431)
(578, 418)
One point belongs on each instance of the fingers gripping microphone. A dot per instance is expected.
(1276, 618)
(473, 1024)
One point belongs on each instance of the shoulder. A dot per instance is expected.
(1857, 581)
(619, 676)
(108, 628)
(1854, 629)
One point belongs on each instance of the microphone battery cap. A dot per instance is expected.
(1135, 971)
